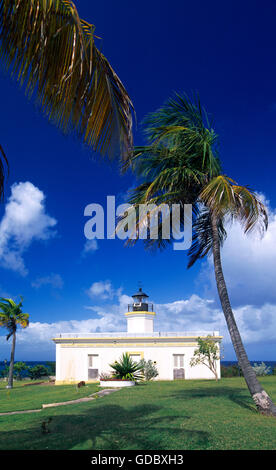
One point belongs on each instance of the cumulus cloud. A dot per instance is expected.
(256, 324)
(36, 340)
(24, 221)
(53, 280)
(103, 290)
(249, 266)
(109, 318)
(90, 246)
(194, 314)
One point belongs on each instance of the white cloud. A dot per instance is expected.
(248, 263)
(256, 325)
(53, 280)
(90, 246)
(24, 220)
(192, 314)
(103, 290)
(249, 267)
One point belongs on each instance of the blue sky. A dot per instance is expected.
(225, 52)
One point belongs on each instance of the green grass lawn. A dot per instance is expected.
(155, 416)
(24, 397)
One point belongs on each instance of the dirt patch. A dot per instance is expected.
(49, 382)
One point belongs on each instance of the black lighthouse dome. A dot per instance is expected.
(140, 302)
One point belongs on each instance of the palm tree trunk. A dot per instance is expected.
(262, 400)
(10, 381)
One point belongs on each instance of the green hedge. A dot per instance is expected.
(230, 371)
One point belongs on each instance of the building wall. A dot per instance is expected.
(72, 361)
(142, 323)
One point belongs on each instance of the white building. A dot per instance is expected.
(86, 356)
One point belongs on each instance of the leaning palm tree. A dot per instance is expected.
(50, 51)
(11, 316)
(180, 165)
(225, 200)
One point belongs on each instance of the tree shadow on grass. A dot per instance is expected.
(110, 427)
(238, 396)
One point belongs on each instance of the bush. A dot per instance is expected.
(231, 371)
(38, 371)
(52, 367)
(105, 376)
(261, 369)
(5, 372)
(18, 370)
(149, 369)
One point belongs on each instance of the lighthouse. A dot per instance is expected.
(88, 355)
(140, 315)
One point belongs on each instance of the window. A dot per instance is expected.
(135, 357)
(93, 360)
(93, 366)
(178, 364)
(178, 361)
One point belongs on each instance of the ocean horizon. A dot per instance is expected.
(271, 364)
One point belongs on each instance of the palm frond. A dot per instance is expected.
(202, 241)
(183, 123)
(224, 197)
(252, 212)
(11, 315)
(154, 220)
(52, 52)
(11, 303)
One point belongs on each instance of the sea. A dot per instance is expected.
(271, 364)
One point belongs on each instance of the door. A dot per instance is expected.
(93, 366)
(178, 366)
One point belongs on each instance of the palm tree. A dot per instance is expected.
(11, 316)
(50, 51)
(180, 165)
(225, 199)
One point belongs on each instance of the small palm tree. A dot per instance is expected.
(180, 165)
(11, 316)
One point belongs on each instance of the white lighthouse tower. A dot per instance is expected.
(140, 314)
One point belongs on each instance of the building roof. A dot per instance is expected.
(140, 293)
(123, 336)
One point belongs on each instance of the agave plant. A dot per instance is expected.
(127, 369)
